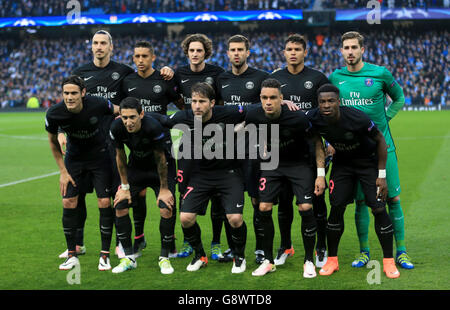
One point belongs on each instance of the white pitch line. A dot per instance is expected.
(29, 179)
(24, 137)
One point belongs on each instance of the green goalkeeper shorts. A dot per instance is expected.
(392, 178)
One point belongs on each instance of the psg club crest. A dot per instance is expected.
(308, 84)
(249, 85)
(115, 76)
(209, 80)
(368, 82)
(157, 89)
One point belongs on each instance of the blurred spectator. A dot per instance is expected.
(417, 60)
(26, 8)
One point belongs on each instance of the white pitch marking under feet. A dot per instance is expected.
(29, 179)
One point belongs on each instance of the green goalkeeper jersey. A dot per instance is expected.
(366, 90)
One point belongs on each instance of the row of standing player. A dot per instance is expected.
(241, 85)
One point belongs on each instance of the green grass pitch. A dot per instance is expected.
(32, 238)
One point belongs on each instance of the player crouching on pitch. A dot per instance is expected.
(146, 167)
(361, 154)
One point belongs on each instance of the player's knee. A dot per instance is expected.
(122, 212)
(70, 203)
(378, 210)
(165, 213)
(304, 206)
(255, 201)
(265, 206)
(394, 199)
(187, 219)
(235, 220)
(359, 202)
(143, 192)
(103, 202)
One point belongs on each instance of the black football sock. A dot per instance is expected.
(69, 222)
(309, 229)
(239, 236)
(166, 229)
(285, 218)
(258, 227)
(106, 227)
(335, 229)
(267, 224)
(228, 233)
(385, 232)
(124, 230)
(139, 215)
(82, 214)
(320, 213)
(193, 236)
(217, 216)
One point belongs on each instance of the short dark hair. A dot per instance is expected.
(238, 38)
(144, 44)
(106, 33)
(271, 83)
(131, 103)
(296, 38)
(198, 37)
(204, 89)
(74, 79)
(328, 88)
(352, 35)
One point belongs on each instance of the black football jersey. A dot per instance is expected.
(352, 136)
(104, 82)
(185, 78)
(293, 133)
(141, 144)
(243, 89)
(214, 136)
(85, 137)
(301, 88)
(154, 92)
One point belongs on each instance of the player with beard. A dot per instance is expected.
(241, 86)
(365, 86)
(86, 157)
(361, 155)
(198, 48)
(146, 167)
(154, 94)
(294, 169)
(299, 84)
(103, 78)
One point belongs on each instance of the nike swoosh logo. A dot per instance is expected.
(224, 86)
(384, 228)
(184, 81)
(342, 82)
(88, 78)
(307, 197)
(239, 206)
(283, 85)
(309, 230)
(131, 89)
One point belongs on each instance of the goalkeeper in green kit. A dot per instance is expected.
(364, 86)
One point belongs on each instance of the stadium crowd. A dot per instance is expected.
(35, 68)
(26, 8)
(353, 4)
